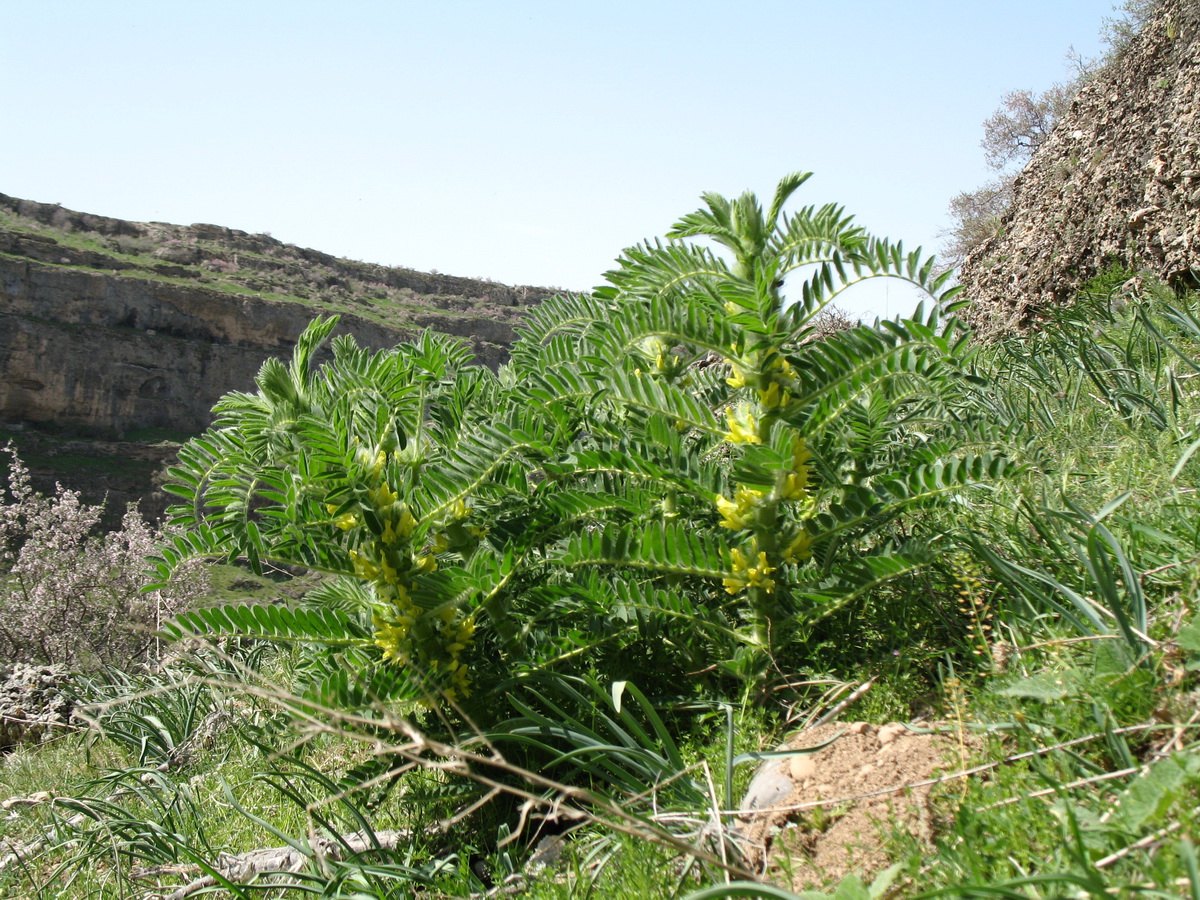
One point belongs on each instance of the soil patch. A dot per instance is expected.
(816, 817)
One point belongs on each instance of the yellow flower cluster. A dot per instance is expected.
(457, 632)
(771, 383)
(736, 513)
(747, 572)
(795, 484)
(799, 548)
(392, 634)
(388, 560)
(656, 348)
(750, 508)
(743, 426)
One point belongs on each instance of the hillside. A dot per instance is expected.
(1114, 188)
(115, 335)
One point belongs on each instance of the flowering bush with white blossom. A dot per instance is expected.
(70, 595)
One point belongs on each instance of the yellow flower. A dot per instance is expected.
(743, 575)
(363, 567)
(738, 378)
(800, 547)
(389, 573)
(425, 563)
(391, 638)
(759, 575)
(736, 513)
(654, 347)
(407, 524)
(735, 581)
(383, 496)
(346, 521)
(772, 396)
(800, 457)
(730, 517)
(397, 595)
(794, 487)
(743, 429)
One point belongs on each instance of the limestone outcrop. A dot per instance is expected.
(112, 354)
(111, 329)
(1117, 183)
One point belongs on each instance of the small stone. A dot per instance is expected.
(769, 787)
(803, 767)
(890, 732)
(858, 728)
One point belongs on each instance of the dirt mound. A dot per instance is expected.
(818, 816)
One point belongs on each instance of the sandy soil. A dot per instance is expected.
(813, 818)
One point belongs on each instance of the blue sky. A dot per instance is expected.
(528, 142)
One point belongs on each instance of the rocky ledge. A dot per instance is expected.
(110, 329)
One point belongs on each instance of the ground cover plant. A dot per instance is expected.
(567, 608)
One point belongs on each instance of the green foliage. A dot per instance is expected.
(670, 495)
(1111, 424)
(675, 438)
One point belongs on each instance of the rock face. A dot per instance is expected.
(103, 352)
(1116, 183)
(120, 331)
(34, 703)
(117, 341)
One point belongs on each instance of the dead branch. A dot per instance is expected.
(245, 867)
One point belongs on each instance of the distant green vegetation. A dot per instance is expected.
(584, 593)
(281, 273)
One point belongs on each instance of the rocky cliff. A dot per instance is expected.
(1117, 183)
(113, 330)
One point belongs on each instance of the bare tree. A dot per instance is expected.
(1022, 123)
(1118, 31)
(975, 216)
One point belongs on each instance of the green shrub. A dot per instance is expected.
(668, 472)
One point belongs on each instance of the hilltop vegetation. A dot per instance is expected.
(227, 260)
(120, 336)
(568, 607)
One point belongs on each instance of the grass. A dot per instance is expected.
(1090, 778)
